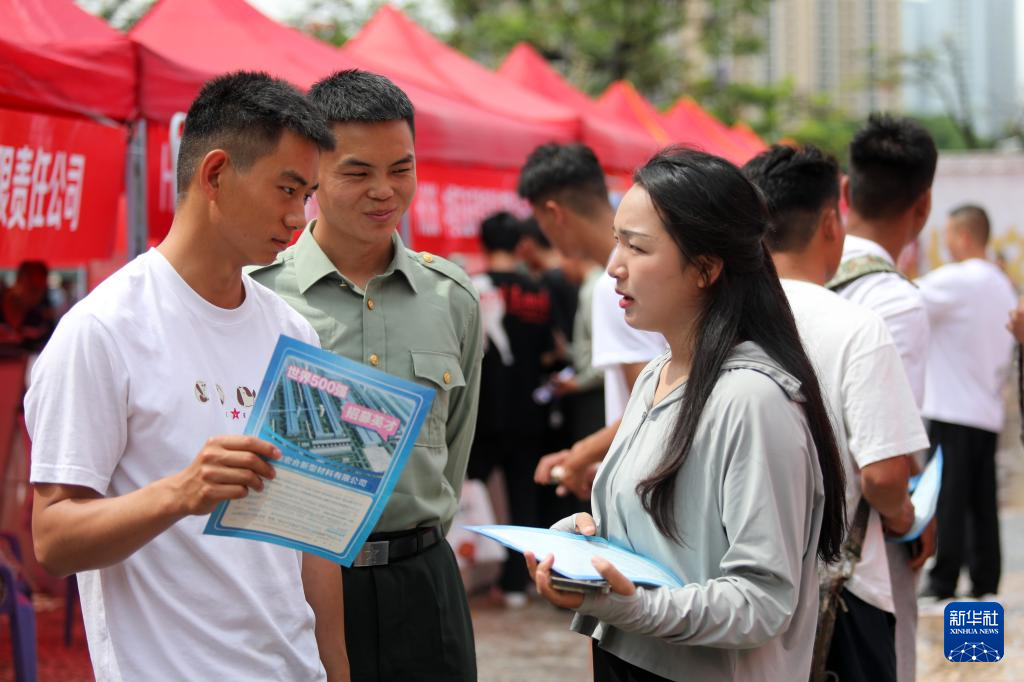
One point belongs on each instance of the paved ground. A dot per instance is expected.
(534, 643)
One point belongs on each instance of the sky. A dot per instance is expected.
(1020, 48)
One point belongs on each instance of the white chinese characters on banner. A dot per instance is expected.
(40, 188)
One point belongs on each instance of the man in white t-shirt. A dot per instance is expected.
(567, 191)
(888, 191)
(874, 414)
(161, 362)
(968, 301)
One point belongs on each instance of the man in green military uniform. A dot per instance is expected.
(413, 315)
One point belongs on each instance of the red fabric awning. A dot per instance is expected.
(394, 45)
(617, 144)
(57, 58)
(623, 101)
(184, 43)
(689, 124)
(744, 134)
(229, 35)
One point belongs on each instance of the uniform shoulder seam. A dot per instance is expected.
(447, 268)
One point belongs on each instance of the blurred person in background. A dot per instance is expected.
(546, 264)
(889, 194)
(511, 426)
(969, 356)
(27, 318)
(876, 422)
(567, 191)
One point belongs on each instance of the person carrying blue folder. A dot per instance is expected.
(725, 469)
(877, 424)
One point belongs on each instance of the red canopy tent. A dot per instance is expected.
(619, 146)
(67, 76)
(60, 59)
(230, 34)
(622, 101)
(744, 134)
(394, 45)
(689, 124)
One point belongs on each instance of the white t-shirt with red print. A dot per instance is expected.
(134, 381)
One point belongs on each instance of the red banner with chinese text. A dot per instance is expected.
(160, 195)
(451, 202)
(60, 181)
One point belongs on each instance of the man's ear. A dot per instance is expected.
(844, 189)
(210, 173)
(831, 224)
(555, 210)
(922, 209)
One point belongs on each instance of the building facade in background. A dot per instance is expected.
(974, 45)
(842, 48)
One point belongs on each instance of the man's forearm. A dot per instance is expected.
(87, 531)
(322, 584)
(884, 485)
(593, 448)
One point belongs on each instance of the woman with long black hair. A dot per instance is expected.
(725, 468)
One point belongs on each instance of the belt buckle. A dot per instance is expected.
(373, 554)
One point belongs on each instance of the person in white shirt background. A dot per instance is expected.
(567, 191)
(888, 191)
(875, 418)
(969, 355)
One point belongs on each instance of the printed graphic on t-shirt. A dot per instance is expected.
(245, 398)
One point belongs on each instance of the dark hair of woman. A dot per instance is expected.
(710, 209)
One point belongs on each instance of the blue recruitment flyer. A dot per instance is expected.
(924, 493)
(345, 431)
(573, 553)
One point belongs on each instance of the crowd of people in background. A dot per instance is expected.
(726, 372)
(30, 308)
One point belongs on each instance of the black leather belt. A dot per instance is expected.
(385, 548)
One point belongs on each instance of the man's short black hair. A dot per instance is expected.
(568, 172)
(974, 220)
(245, 113)
(530, 229)
(356, 96)
(798, 184)
(892, 163)
(499, 232)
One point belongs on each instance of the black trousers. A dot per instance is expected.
(863, 647)
(517, 457)
(610, 668)
(968, 518)
(409, 620)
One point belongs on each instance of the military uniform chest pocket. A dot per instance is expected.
(441, 372)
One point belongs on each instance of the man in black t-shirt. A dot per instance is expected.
(511, 426)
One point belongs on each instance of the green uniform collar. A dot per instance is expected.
(312, 264)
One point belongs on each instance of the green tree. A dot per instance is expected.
(943, 71)
(593, 42)
(121, 14)
(824, 126)
(335, 21)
